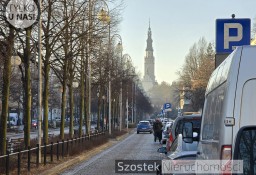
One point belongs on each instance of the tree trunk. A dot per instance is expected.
(87, 122)
(71, 106)
(82, 95)
(65, 73)
(63, 100)
(63, 107)
(99, 110)
(86, 117)
(27, 113)
(6, 91)
(46, 99)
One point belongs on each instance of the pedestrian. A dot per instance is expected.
(157, 127)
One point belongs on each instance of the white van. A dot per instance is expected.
(228, 129)
(13, 119)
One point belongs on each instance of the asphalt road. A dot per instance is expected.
(134, 147)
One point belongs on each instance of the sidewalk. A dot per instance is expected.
(84, 156)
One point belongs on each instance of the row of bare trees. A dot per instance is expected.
(73, 38)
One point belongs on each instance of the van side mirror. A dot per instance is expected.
(187, 132)
(195, 134)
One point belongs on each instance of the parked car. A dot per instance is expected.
(166, 131)
(177, 127)
(181, 149)
(144, 126)
(228, 125)
(34, 124)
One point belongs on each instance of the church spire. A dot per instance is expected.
(149, 40)
(149, 79)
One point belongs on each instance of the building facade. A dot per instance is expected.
(149, 80)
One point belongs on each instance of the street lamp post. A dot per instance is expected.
(132, 101)
(40, 83)
(133, 87)
(120, 49)
(135, 99)
(89, 68)
(105, 17)
(109, 82)
(127, 59)
(127, 111)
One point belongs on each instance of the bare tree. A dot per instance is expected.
(196, 71)
(6, 52)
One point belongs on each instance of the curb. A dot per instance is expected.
(83, 156)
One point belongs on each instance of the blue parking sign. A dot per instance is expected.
(167, 106)
(231, 33)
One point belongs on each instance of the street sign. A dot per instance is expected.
(167, 106)
(231, 33)
(22, 14)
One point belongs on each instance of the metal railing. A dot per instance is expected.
(31, 155)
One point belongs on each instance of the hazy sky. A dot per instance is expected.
(176, 25)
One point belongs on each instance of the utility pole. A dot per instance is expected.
(120, 47)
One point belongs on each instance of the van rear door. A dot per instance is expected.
(245, 150)
(245, 129)
(248, 105)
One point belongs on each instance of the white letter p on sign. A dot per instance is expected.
(228, 38)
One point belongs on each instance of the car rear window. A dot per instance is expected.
(144, 123)
(196, 125)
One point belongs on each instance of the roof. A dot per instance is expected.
(190, 113)
(193, 115)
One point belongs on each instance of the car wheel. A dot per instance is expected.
(138, 132)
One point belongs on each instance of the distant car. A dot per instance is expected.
(144, 126)
(34, 124)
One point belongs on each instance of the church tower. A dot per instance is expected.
(149, 64)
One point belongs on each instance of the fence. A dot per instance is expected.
(26, 159)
